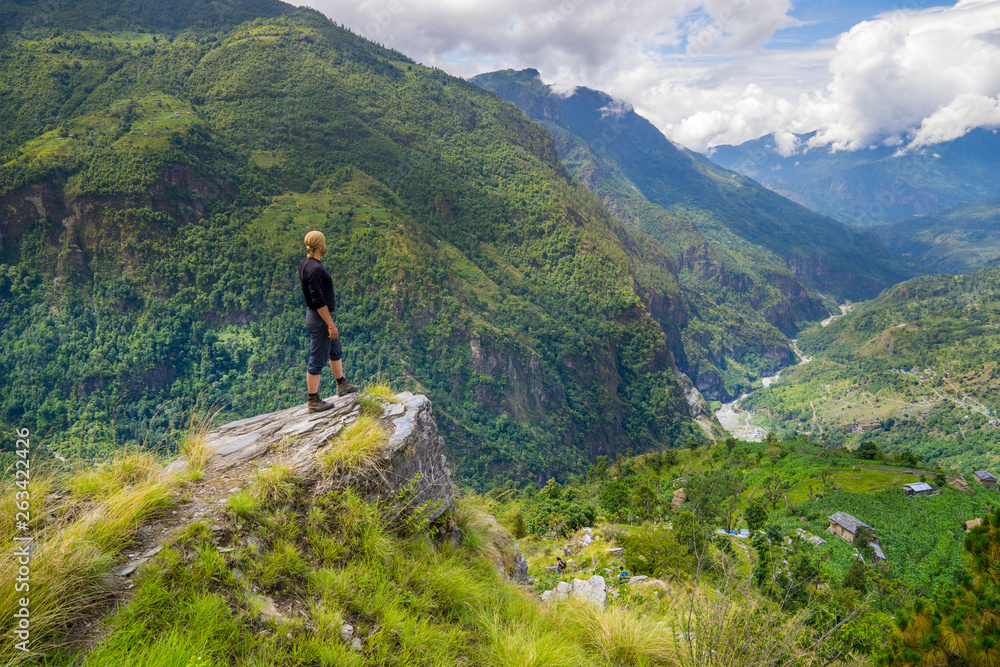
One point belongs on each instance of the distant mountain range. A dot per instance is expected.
(957, 240)
(875, 185)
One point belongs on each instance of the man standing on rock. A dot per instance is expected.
(324, 343)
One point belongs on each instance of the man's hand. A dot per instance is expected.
(334, 334)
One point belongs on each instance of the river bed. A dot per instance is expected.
(738, 421)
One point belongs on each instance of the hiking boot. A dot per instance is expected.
(344, 388)
(317, 404)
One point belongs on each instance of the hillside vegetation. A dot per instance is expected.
(957, 240)
(915, 369)
(746, 255)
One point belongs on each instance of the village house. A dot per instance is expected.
(986, 478)
(918, 489)
(846, 526)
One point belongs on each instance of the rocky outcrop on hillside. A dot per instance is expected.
(413, 455)
(593, 590)
(407, 476)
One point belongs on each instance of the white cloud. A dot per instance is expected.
(893, 74)
(965, 112)
(699, 69)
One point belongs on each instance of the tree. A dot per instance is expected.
(857, 577)
(645, 503)
(756, 514)
(654, 551)
(824, 476)
(615, 498)
(868, 451)
(691, 534)
(774, 490)
(598, 470)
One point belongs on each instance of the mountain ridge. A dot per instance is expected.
(876, 185)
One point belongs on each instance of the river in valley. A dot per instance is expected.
(738, 421)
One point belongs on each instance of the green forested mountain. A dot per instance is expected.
(762, 244)
(746, 255)
(157, 176)
(957, 240)
(914, 369)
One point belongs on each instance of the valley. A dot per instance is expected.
(619, 405)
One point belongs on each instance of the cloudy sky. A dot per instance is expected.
(708, 72)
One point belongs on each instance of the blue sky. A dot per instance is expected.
(826, 19)
(710, 72)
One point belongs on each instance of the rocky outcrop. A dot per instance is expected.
(579, 543)
(696, 402)
(501, 549)
(413, 455)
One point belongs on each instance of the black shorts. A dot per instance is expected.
(321, 348)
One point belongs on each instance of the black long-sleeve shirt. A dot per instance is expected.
(317, 285)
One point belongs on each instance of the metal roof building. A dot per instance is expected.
(918, 488)
(986, 478)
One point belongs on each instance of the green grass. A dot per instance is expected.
(862, 479)
(80, 543)
(355, 446)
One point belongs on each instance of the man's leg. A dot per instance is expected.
(319, 350)
(312, 383)
(343, 386)
(337, 366)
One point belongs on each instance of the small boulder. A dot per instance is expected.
(265, 609)
(346, 633)
(593, 590)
